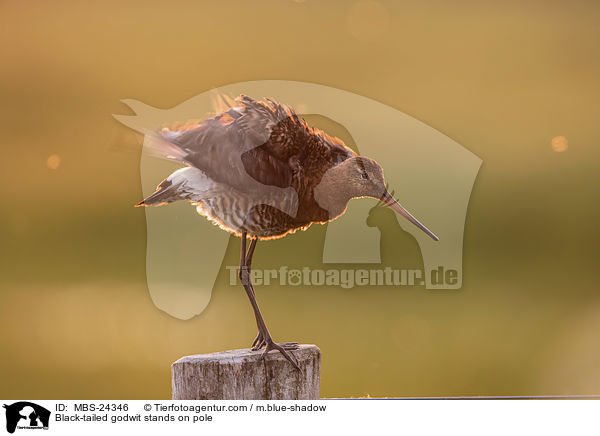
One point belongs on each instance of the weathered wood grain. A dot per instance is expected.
(243, 375)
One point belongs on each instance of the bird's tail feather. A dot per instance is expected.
(165, 193)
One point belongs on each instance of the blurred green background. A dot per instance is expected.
(501, 78)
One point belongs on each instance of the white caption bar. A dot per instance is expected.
(414, 417)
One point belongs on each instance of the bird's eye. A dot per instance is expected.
(364, 175)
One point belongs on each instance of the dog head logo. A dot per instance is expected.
(26, 415)
(430, 172)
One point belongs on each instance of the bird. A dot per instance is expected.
(258, 171)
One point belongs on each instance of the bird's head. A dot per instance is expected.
(360, 176)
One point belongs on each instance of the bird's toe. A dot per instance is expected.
(290, 345)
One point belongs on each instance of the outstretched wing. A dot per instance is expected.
(252, 142)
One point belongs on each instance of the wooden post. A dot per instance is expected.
(243, 375)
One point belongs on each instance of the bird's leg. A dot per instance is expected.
(258, 341)
(264, 337)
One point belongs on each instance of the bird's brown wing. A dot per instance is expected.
(261, 141)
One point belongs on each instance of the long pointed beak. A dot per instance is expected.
(391, 202)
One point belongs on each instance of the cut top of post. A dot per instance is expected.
(244, 375)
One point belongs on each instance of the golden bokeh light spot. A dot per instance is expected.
(367, 20)
(560, 144)
(53, 161)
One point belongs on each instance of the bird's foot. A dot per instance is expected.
(283, 349)
(259, 343)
